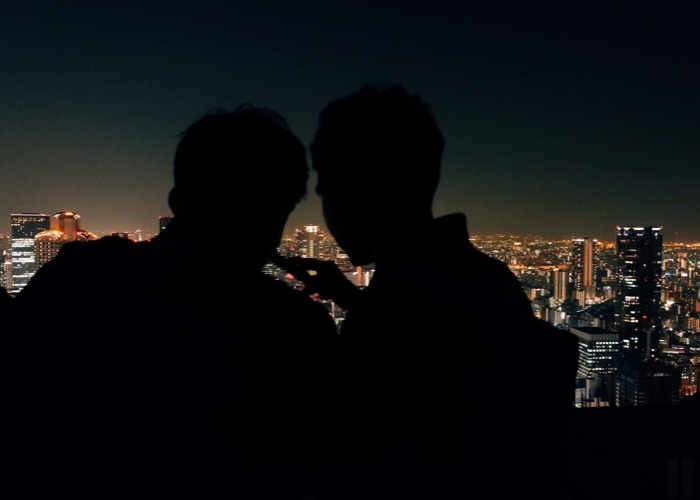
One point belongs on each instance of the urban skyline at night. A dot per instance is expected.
(293, 225)
(573, 284)
(572, 146)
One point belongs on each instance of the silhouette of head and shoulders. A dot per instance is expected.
(442, 329)
(237, 177)
(378, 153)
(176, 364)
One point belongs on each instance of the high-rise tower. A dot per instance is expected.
(560, 283)
(638, 284)
(23, 228)
(308, 241)
(582, 269)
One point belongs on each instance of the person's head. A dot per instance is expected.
(377, 153)
(242, 168)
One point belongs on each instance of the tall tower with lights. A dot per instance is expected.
(23, 228)
(582, 269)
(308, 241)
(638, 284)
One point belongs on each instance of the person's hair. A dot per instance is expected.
(383, 134)
(240, 157)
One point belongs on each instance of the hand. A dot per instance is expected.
(324, 278)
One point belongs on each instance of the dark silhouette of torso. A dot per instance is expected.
(453, 385)
(159, 368)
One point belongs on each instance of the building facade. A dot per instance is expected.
(582, 272)
(638, 283)
(560, 285)
(643, 383)
(308, 242)
(23, 228)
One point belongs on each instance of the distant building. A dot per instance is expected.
(638, 283)
(163, 223)
(23, 228)
(4, 259)
(308, 242)
(137, 235)
(582, 277)
(598, 350)
(641, 383)
(560, 283)
(65, 227)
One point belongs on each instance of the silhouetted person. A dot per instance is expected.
(454, 389)
(175, 368)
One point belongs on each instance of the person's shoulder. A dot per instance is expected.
(107, 255)
(485, 262)
(99, 248)
(534, 337)
(80, 266)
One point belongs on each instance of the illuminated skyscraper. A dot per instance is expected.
(560, 283)
(308, 241)
(638, 284)
(597, 350)
(23, 228)
(582, 252)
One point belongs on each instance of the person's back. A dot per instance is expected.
(175, 367)
(455, 386)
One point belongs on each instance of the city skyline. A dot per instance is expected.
(560, 120)
(291, 228)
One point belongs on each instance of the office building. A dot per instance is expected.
(597, 348)
(560, 285)
(638, 284)
(582, 277)
(23, 228)
(641, 383)
(308, 242)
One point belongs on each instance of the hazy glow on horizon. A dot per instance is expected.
(563, 122)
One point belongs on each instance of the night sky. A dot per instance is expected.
(559, 121)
